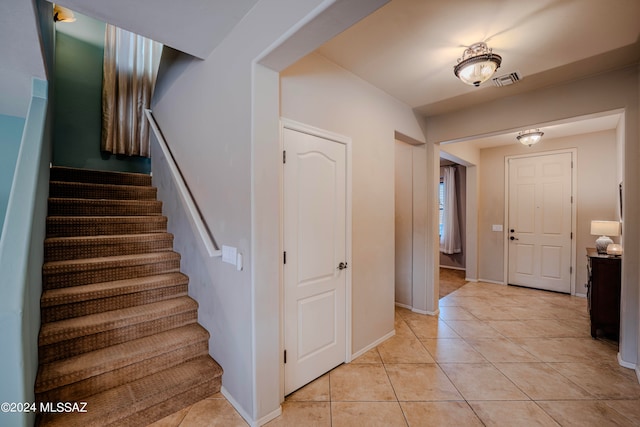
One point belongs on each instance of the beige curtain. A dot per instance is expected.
(129, 76)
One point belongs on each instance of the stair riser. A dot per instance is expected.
(60, 207)
(60, 252)
(146, 400)
(95, 191)
(62, 280)
(98, 177)
(102, 227)
(74, 347)
(78, 388)
(68, 311)
(141, 355)
(174, 404)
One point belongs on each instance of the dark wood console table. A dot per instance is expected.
(603, 292)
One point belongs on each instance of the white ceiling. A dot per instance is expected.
(192, 26)
(408, 47)
(577, 126)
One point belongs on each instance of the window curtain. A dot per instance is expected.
(450, 242)
(129, 76)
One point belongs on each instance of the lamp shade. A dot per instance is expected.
(605, 228)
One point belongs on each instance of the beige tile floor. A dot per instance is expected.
(495, 356)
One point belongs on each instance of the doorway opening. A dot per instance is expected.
(452, 218)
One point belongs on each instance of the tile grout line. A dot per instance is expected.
(445, 374)
(384, 365)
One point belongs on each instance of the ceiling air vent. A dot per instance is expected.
(507, 79)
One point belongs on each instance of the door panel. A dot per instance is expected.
(540, 215)
(315, 244)
(311, 309)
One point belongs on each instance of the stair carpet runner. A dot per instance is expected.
(119, 331)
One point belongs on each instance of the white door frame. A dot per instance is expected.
(321, 133)
(574, 192)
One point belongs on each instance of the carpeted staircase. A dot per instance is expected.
(119, 331)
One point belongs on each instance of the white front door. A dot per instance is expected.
(315, 247)
(540, 221)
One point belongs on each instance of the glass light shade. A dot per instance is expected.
(530, 137)
(605, 228)
(478, 72)
(477, 64)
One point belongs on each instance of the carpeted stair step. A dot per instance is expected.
(93, 207)
(71, 337)
(68, 226)
(81, 376)
(100, 191)
(60, 173)
(60, 274)
(147, 399)
(119, 330)
(64, 248)
(75, 301)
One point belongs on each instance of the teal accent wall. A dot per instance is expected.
(77, 100)
(10, 136)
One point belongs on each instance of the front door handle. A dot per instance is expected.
(342, 266)
(513, 238)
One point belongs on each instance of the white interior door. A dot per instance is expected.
(540, 221)
(315, 247)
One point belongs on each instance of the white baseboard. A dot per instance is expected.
(243, 414)
(408, 307)
(450, 267)
(415, 310)
(273, 415)
(495, 282)
(429, 313)
(467, 279)
(626, 364)
(580, 295)
(638, 373)
(373, 345)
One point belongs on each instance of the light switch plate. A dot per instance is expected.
(496, 227)
(229, 254)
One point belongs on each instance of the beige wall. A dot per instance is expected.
(596, 196)
(617, 90)
(220, 117)
(316, 92)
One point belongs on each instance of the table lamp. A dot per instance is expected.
(604, 229)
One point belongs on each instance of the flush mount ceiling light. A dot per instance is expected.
(530, 137)
(477, 65)
(62, 14)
